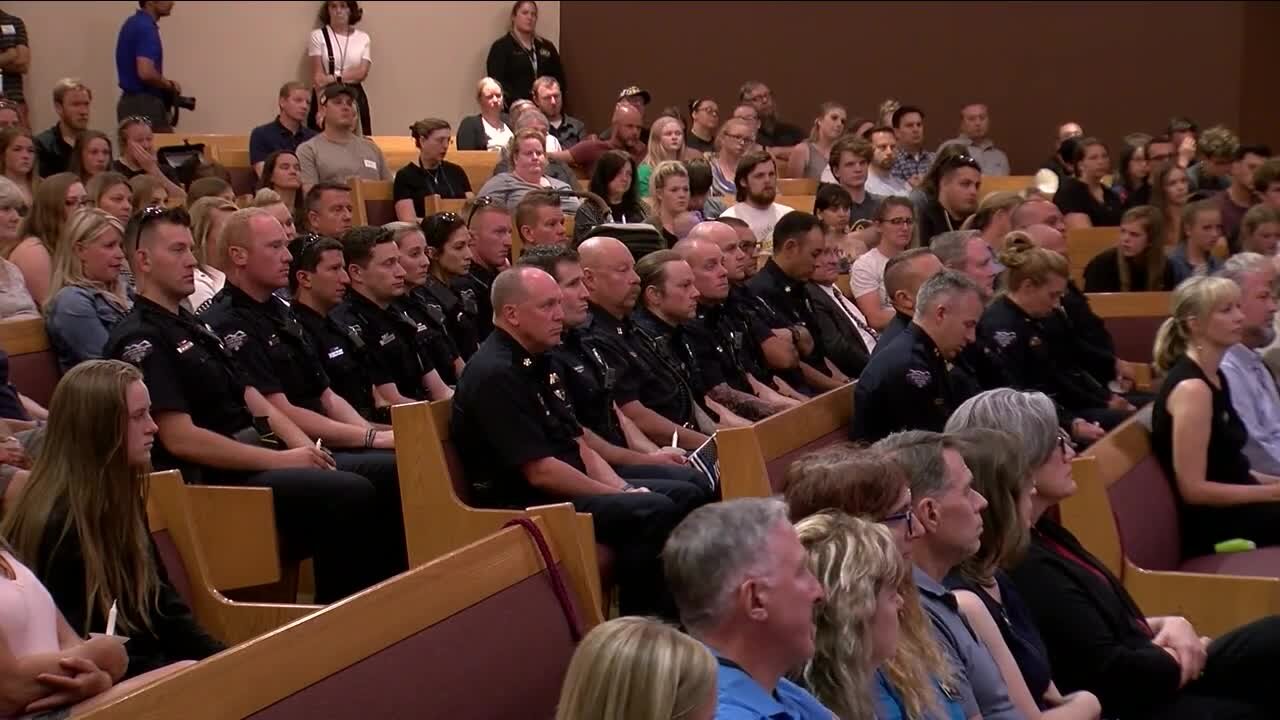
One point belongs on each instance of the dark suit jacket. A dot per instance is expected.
(840, 339)
(471, 133)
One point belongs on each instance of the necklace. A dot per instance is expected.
(436, 177)
(342, 51)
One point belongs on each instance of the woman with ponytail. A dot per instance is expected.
(1195, 433)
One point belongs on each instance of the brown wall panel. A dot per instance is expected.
(1260, 106)
(1114, 67)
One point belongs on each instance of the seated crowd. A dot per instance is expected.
(917, 572)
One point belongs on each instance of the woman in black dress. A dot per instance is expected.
(1195, 433)
(1137, 263)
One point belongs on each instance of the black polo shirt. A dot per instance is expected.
(509, 410)
(908, 385)
(390, 335)
(642, 375)
(933, 220)
(671, 344)
(266, 139)
(590, 381)
(447, 180)
(269, 343)
(789, 300)
(720, 344)
(352, 372)
(186, 367)
(53, 154)
(479, 283)
(460, 310)
(432, 336)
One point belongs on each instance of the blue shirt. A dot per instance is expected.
(889, 705)
(266, 139)
(741, 698)
(1257, 401)
(79, 320)
(139, 37)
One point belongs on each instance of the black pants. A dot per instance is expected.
(328, 515)
(675, 473)
(1204, 526)
(379, 468)
(636, 525)
(1236, 684)
(145, 105)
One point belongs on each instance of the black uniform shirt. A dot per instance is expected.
(590, 381)
(788, 299)
(906, 386)
(720, 345)
(460, 310)
(671, 344)
(480, 283)
(510, 409)
(389, 334)
(268, 342)
(186, 367)
(352, 372)
(642, 375)
(432, 335)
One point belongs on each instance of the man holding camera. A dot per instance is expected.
(144, 90)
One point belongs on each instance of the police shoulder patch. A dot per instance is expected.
(235, 340)
(1005, 338)
(919, 378)
(136, 352)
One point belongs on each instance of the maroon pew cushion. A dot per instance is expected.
(468, 666)
(35, 375)
(243, 180)
(1146, 514)
(1134, 336)
(380, 212)
(1263, 562)
(777, 467)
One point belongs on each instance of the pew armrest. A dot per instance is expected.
(1215, 604)
(241, 622)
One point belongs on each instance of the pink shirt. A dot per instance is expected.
(28, 615)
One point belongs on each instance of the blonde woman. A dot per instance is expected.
(81, 522)
(1196, 435)
(57, 197)
(810, 158)
(208, 215)
(666, 142)
(913, 682)
(734, 139)
(635, 668)
(87, 293)
(487, 130)
(15, 300)
(994, 218)
(270, 200)
(670, 199)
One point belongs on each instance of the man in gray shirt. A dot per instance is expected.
(950, 512)
(975, 126)
(338, 154)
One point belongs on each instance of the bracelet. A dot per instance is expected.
(368, 437)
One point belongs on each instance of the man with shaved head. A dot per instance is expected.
(643, 383)
(206, 416)
(903, 276)
(624, 135)
(521, 444)
(1038, 211)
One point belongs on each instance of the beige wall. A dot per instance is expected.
(233, 56)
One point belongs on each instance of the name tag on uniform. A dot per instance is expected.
(371, 164)
(335, 353)
(386, 339)
(184, 346)
(8, 29)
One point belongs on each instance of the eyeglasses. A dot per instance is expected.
(907, 515)
(900, 221)
(480, 202)
(740, 138)
(152, 213)
(1065, 443)
(302, 243)
(958, 161)
(136, 119)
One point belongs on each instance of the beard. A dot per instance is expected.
(763, 198)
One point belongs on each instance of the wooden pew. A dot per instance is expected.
(1125, 513)
(753, 459)
(1084, 244)
(434, 493)
(236, 160)
(394, 143)
(33, 367)
(477, 164)
(1133, 320)
(1005, 183)
(213, 539)
(433, 204)
(479, 633)
(211, 141)
(797, 186)
(372, 201)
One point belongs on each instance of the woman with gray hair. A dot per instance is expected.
(1096, 636)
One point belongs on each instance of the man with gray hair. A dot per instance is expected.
(948, 513)
(1252, 387)
(740, 581)
(965, 251)
(909, 384)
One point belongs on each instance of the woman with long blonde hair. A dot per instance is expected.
(15, 299)
(55, 200)
(670, 198)
(208, 215)
(666, 143)
(634, 668)
(88, 293)
(864, 483)
(1196, 435)
(81, 520)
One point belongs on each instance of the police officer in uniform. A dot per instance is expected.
(909, 384)
(218, 431)
(1013, 330)
(780, 286)
(394, 339)
(432, 338)
(521, 444)
(903, 276)
(280, 362)
(590, 381)
(490, 226)
(317, 283)
(647, 391)
(449, 245)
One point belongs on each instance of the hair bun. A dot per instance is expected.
(1016, 245)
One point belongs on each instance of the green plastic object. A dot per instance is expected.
(1235, 545)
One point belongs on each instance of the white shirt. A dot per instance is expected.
(867, 275)
(761, 221)
(859, 320)
(888, 185)
(497, 137)
(208, 284)
(348, 50)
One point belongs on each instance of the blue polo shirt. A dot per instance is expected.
(266, 139)
(139, 37)
(741, 698)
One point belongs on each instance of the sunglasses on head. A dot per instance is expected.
(958, 161)
(480, 202)
(150, 214)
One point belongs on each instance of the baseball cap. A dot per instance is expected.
(633, 90)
